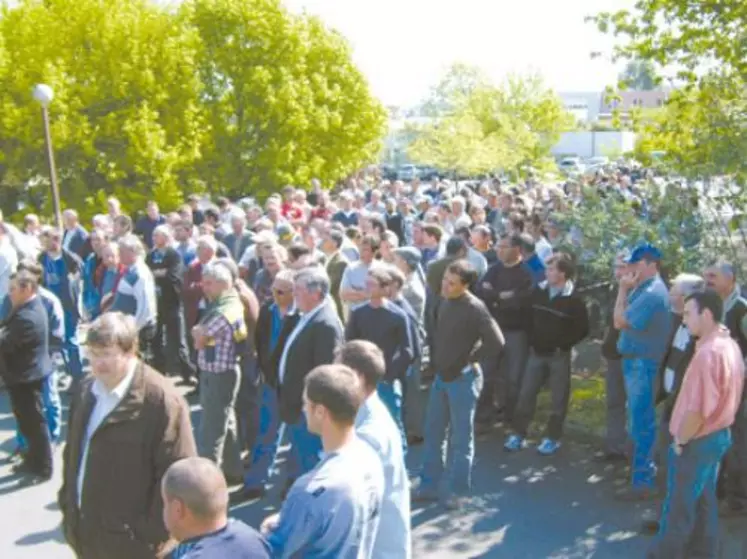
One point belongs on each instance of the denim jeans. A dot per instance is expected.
(640, 375)
(52, 410)
(735, 463)
(689, 519)
(413, 406)
(70, 348)
(451, 406)
(305, 447)
(391, 394)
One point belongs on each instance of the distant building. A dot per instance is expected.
(583, 105)
(631, 100)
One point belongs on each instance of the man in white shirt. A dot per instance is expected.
(8, 260)
(374, 424)
(128, 424)
(334, 510)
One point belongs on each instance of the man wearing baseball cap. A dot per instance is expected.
(642, 316)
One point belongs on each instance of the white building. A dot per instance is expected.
(585, 106)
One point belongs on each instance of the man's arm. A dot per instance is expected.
(327, 338)
(621, 304)
(174, 441)
(491, 336)
(405, 354)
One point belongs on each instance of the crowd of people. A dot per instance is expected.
(320, 317)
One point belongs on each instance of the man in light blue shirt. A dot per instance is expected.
(374, 424)
(334, 510)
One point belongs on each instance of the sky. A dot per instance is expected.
(403, 47)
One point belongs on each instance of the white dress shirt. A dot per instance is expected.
(106, 401)
(305, 319)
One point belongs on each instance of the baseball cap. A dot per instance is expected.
(644, 251)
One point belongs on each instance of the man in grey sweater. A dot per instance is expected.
(465, 335)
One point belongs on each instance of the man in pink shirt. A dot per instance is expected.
(705, 409)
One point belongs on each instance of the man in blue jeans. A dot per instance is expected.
(642, 316)
(462, 321)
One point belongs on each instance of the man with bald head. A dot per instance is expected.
(195, 512)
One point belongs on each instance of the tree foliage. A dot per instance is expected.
(152, 102)
(639, 75)
(489, 128)
(283, 98)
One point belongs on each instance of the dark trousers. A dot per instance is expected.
(146, 337)
(733, 473)
(248, 403)
(28, 408)
(503, 379)
(170, 353)
(555, 370)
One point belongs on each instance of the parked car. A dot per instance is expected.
(571, 166)
(408, 173)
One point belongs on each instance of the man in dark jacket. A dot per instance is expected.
(25, 363)
(168, 273)
(559, 322)
(506, 289)
(127, 426)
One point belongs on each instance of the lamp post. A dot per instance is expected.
(44, 95)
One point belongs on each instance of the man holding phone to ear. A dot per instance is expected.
(642, 316)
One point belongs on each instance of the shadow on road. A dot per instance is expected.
(53, 535)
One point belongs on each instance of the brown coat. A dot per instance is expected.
(121, 513)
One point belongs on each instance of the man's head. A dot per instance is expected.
(481, 237)
(407, 259)
(52, 240)
(509, 248)
(644, 260)
(238, 223)
(721, 277)
(432, 235)
(121, 226)
(31, 223)
(311, 288)
(206, 248)
(109, 254)
(368, 248)
(162, 236)
(459, 276)
(366, 359)
(683, 286)
(456, 247)
(332, 241)
(216, 280)
(112, 345)
(195, 498)
(69, 218)
(97, 238)
(331, 398)
(152, 210)
(282, 288)
(183, 231)
(130, 250)
(560, 269)
(23, 286)
(377, 282)
(703, 311)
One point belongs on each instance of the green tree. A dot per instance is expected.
(284, 101)
(126, 118)
(639, 75)
(488, 128)
(458, 83)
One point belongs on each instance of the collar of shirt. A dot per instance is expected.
(99, 390)
(720, 332)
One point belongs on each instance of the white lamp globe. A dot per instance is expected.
(43, 94)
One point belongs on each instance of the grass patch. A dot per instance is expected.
(587, 409)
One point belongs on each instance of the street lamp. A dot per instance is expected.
(44, 95)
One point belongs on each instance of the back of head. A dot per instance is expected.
(366, 359)
(338, 389)
(200, 485)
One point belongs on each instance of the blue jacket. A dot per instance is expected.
(70, 291)
(91, 293)
(78, 243)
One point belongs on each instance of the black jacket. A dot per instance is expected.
(168, 286)
(662, 395)
(559, 323)
(512, 314)
(396, 224)
(24, 344)
(315, 345)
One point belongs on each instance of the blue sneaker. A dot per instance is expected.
(548, 447)
(514, 442)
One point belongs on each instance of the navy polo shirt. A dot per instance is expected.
(236, 540)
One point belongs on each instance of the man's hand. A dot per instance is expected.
(198, 335)
(677, 447)
(487, 286)
(629, 281)
(160, 273)
(270, 524)
(503, 295)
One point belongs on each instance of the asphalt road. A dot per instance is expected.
(525, 506)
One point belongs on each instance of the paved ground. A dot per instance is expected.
(528, 507)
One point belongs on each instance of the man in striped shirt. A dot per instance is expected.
(136, 293)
